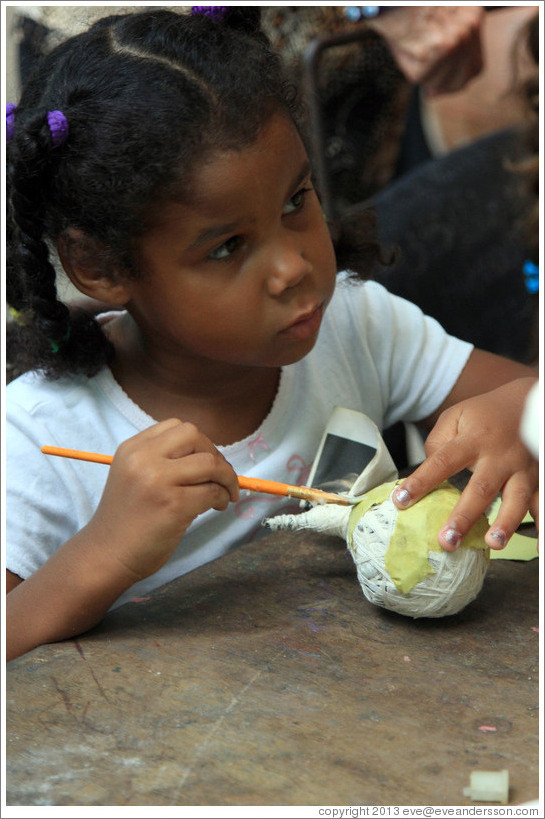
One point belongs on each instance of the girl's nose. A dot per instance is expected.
(286, 267)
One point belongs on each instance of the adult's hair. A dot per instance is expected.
(147, 96)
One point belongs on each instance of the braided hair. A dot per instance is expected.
(146, 96)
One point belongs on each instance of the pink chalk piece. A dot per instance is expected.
(139, 599)
(406, 659)
(487, 729)
(535, 628)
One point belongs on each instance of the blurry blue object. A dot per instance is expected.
(356, 13)
(531, 276)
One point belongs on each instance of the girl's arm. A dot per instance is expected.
(65, 597)
(478, 427)
(159, 482)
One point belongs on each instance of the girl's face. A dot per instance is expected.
(244, 274)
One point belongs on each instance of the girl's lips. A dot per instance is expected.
(306, 326)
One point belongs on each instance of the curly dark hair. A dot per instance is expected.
(147, 96)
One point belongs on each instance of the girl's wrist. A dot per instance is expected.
(103, 568)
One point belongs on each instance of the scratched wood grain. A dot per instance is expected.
(266, 678)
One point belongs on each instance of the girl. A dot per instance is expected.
(159, 155)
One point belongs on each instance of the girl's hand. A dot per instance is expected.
(159, 482)
(481, 434)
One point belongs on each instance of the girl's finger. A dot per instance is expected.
(441, 464)
(204, 496)
(534, 508)
(203, 468)
(148, 435)
(168, 439)
(177, 440)
(173, 443)
(156, 429)
(517, 498)
(477, 496)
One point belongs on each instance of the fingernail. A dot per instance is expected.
(500, 537)
(403, 497)
(452, 537)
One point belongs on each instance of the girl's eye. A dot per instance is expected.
(226, 249)
(297, 201)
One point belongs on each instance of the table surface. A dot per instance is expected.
(266, 678)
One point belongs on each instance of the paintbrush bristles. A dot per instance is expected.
(316, 495)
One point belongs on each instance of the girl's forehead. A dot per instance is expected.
(230, 187)
(276, 152)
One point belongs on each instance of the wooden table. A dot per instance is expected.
(266, 678)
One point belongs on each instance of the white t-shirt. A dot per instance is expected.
(376, 353)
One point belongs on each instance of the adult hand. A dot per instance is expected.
(483, 435)
(437, 47)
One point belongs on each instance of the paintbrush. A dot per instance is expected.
(306, 493)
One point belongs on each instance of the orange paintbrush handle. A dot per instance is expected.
(77, 454)
(251, 484)
(269, 487)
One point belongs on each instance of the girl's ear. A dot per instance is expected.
(85, 261)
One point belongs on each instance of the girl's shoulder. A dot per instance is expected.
(356, 296)
(357, 293)
(35, 396)
(33, 388)
(366, 313)
(74, 400)
(366, 307)
(369, 303)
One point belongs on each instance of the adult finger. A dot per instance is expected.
(461, 62)
(450, 77)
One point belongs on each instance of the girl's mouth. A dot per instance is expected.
(305, 326)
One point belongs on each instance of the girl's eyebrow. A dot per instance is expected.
(303, 173)
(217, 231)
(214, 233)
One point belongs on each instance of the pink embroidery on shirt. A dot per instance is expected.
(259, 441)
(244, 508)
(297, 464)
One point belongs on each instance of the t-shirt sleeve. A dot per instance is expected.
(417, 362)
(43, 505)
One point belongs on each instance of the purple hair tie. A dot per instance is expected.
(216, 12)
(10, 120)
(58, 125)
